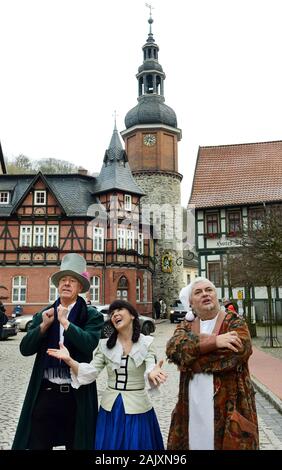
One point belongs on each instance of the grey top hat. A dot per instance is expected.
(73, 265)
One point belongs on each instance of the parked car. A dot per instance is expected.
(9, 329)
(147, 324)
(177, 312)
(23, 322)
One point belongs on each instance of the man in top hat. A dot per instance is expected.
(53, 413)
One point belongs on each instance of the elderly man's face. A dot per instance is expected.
(204, 299)
(69, 288)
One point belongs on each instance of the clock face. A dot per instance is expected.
(149, 140)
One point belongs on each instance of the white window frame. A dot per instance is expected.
(130, 239)
(140, 244)
(215, 267)
(127, 202)
(4, 197)
(53, 292)
(95, 289)
(37, 195)
(40, 235)
(98, 238)
(53, 233)
(26, 235)
(138, 290)
(121, 239)
(19, 290)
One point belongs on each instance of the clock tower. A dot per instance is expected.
(151, 141)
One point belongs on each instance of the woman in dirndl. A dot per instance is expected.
(126, 418)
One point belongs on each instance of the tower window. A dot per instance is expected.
(98, 239)
(127, 202)
(150, 87)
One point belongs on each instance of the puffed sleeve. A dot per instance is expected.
(87, 373)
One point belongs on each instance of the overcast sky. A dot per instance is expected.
(66, 65)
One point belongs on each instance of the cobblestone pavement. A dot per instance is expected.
(15, 372)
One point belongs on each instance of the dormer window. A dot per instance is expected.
(39, 198)
(127, 202)
(4, 197)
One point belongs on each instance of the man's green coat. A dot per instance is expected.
(85, 341)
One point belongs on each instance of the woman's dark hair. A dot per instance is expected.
(119, 305)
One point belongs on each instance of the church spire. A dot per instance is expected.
(115, 173)
(115, 151)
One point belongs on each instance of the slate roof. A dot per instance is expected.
(238, 174)
(151, 109)
(115, 173)
(74, 192)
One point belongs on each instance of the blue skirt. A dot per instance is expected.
(118, 431)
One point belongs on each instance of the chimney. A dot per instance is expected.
(82, 171)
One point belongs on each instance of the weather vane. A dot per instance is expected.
(149, 5)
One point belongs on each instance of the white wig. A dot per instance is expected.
(186, 293)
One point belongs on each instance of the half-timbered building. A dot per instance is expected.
(232, 186)
(45, 216)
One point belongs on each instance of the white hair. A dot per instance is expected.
(186, 293)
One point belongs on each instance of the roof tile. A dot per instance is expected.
(238, 174)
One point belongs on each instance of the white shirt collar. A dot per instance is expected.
(138, 351)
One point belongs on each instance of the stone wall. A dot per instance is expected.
(164, 198)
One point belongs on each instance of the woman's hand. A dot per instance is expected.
(157, 375)
(229, 340)
(62, 353)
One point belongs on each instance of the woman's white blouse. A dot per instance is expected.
(127, 375)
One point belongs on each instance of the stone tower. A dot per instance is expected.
(151, 139)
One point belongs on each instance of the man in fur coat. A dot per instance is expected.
(216, 404)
